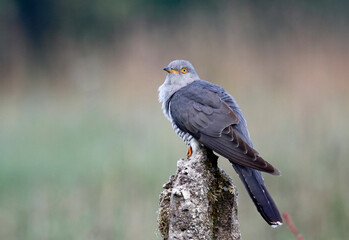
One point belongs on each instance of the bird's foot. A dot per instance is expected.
(189, 152)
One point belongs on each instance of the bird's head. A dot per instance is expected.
(179, 74)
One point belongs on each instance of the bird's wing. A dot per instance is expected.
(202, 113)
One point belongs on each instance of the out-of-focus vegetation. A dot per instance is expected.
(85, 148)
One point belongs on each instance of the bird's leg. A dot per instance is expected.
(194, 147)
(189, 152)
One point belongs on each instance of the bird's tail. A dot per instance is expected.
(254, 184)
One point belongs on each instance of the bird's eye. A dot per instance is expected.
(184, 70)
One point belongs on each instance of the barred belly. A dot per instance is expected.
(185, 136)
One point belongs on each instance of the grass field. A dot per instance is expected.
(86, 159)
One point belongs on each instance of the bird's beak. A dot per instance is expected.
(170, 70)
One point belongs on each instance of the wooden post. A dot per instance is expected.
(199, 201)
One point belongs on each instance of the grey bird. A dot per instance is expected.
(204, 114)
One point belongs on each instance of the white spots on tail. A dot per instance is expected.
(276, 224)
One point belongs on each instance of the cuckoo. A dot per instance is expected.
(204, 114)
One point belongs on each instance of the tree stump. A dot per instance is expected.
(199, 201)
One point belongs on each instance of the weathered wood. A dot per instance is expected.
(199, 201)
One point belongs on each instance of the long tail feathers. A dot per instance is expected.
(254, 184)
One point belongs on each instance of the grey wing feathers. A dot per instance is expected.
(199, 110)
(231, 146)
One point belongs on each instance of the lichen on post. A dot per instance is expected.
(199, 201)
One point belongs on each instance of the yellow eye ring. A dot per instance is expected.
(184, 70)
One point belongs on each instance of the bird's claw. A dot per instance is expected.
(189, 152)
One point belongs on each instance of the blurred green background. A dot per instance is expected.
(85, 148)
